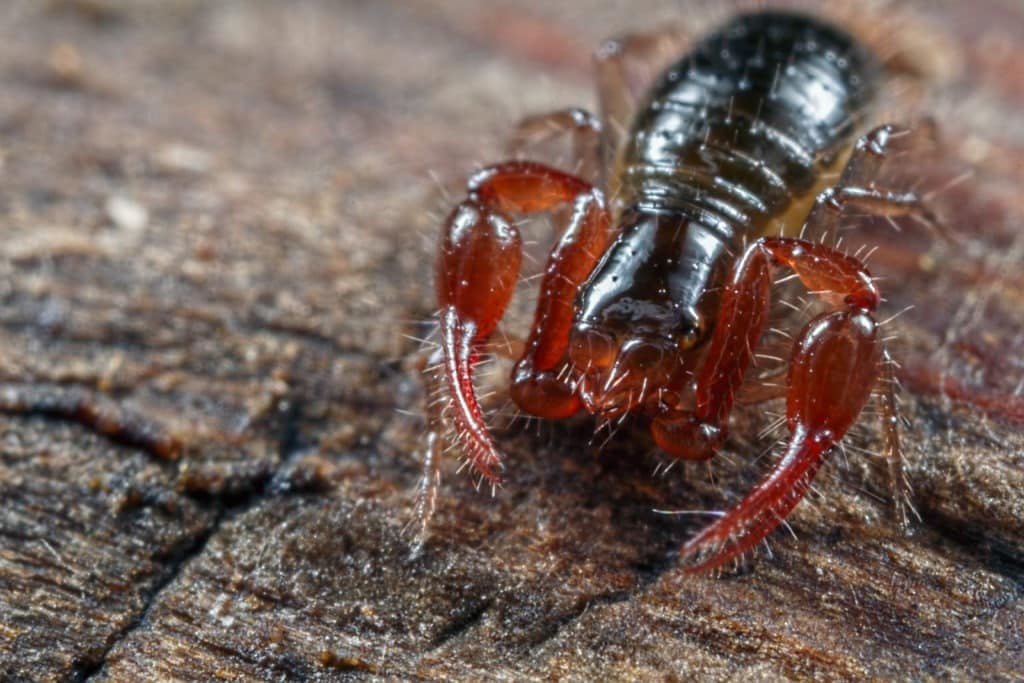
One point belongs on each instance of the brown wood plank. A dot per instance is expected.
(218, 226)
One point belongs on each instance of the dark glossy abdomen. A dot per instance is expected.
(729, 137)
(748, 120)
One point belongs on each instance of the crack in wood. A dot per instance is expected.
(462, 623)
(553, 627)
(93, 411)
(179, 558)
(232, 507)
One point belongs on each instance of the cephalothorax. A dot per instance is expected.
(654, 302)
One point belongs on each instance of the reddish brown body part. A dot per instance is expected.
(477, 272)
(580, 353)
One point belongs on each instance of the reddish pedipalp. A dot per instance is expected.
(459, 357)
(751, 520)
(476, 275)
(479, 265)
(835, 363)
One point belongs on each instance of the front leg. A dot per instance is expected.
(476, 275)
(863, 185)
(581, 127)
(834, 366)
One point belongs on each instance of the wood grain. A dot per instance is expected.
(218, 226)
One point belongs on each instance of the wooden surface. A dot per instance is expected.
(218, 226)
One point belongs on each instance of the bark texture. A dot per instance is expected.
(216, 243)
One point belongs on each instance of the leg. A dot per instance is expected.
(626, 68)
(890, 144)
(867, 183)
(426, 494)
(477, 272)
(834, 366)
(583, 128)
(899, 487)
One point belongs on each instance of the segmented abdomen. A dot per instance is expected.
(746, 122)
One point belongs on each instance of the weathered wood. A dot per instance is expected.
(218, 227)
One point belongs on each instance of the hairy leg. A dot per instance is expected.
(899, 486)
(866, 183)
(581, 127)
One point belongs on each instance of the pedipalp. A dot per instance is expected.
(480, 258)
